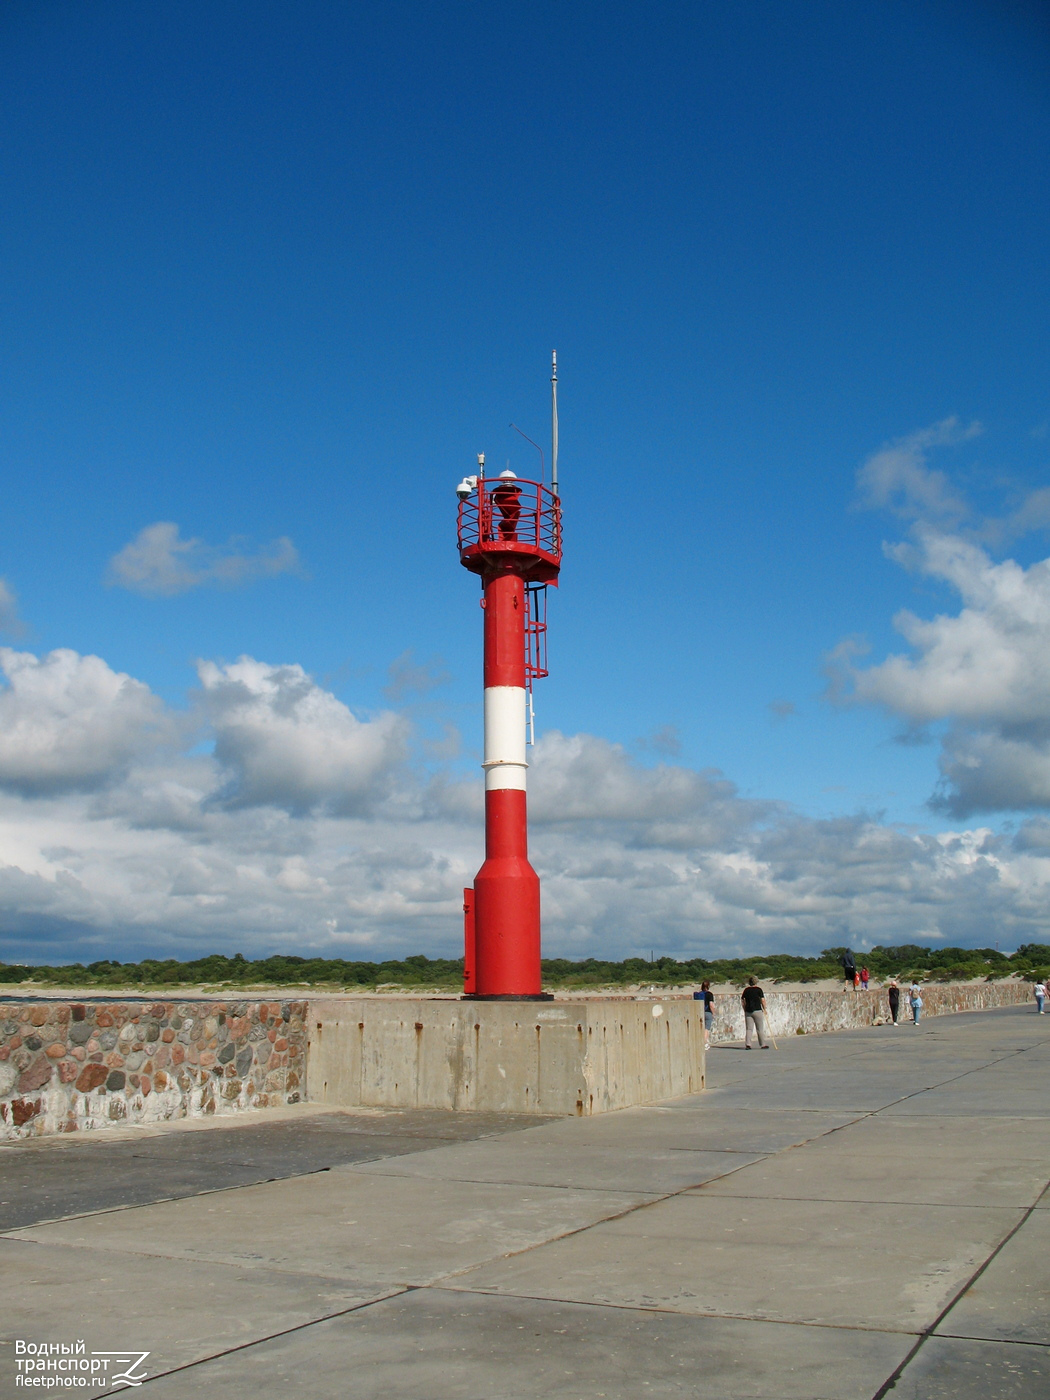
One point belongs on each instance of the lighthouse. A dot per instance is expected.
(507, 1047)
(510, 536)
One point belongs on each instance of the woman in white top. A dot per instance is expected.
(1040, 993)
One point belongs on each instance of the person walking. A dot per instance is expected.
(865, 975)
(1040, 995)
(706, 996)
(893, 992)
(849, 968)
(915, 1002)
(753, 1001)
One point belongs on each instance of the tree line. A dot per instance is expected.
(1031, 961)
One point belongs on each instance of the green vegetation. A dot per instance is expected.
(1031, 961)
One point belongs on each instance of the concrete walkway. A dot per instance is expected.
(854, 1215)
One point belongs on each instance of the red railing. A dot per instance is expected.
(515, 514)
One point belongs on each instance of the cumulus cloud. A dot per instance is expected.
(68, 722)
(793, 882)
(987, 664)
(582, 779)
(981, 672)
(309, 828)
(898, 478)
(158, 563)
(283, 740)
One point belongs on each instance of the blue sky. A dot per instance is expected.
(274, 273)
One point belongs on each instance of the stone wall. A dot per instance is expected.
(795, 1012)
(66, 1066)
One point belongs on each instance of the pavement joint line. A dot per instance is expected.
(929, 1331)
(214, 1264)
(932, 1116)
(653, 1196)
(394, 1292)
(235, 1264)
(243, 1263)
(162, 1201)
(730, 1151)
(673, 1312)
(535, 1186)
(993, 1341)
(859, 1201)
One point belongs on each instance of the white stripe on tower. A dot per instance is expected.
(504, 763)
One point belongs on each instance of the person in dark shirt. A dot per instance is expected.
(753, 1000)
(707, 997)
(893, 992)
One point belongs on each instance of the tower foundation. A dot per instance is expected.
(578, 1057)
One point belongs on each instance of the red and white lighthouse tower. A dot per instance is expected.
(510, 535)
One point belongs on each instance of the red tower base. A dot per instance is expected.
(506, 906)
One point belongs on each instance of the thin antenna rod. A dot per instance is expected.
(536, 445)
(554, 422)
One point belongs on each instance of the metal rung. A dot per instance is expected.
(535, 632)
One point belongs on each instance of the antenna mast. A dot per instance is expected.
(554, 422)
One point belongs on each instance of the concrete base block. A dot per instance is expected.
(572, 1057)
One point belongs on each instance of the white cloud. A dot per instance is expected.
(69, 722)
(897, 478)
(159, 564)
(987, 664)
(579, 778)
(308, 829)
(282, 740)
(983, 671)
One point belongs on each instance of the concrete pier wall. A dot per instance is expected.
(581, 1058)
(67, 1066)
(790, 1013)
